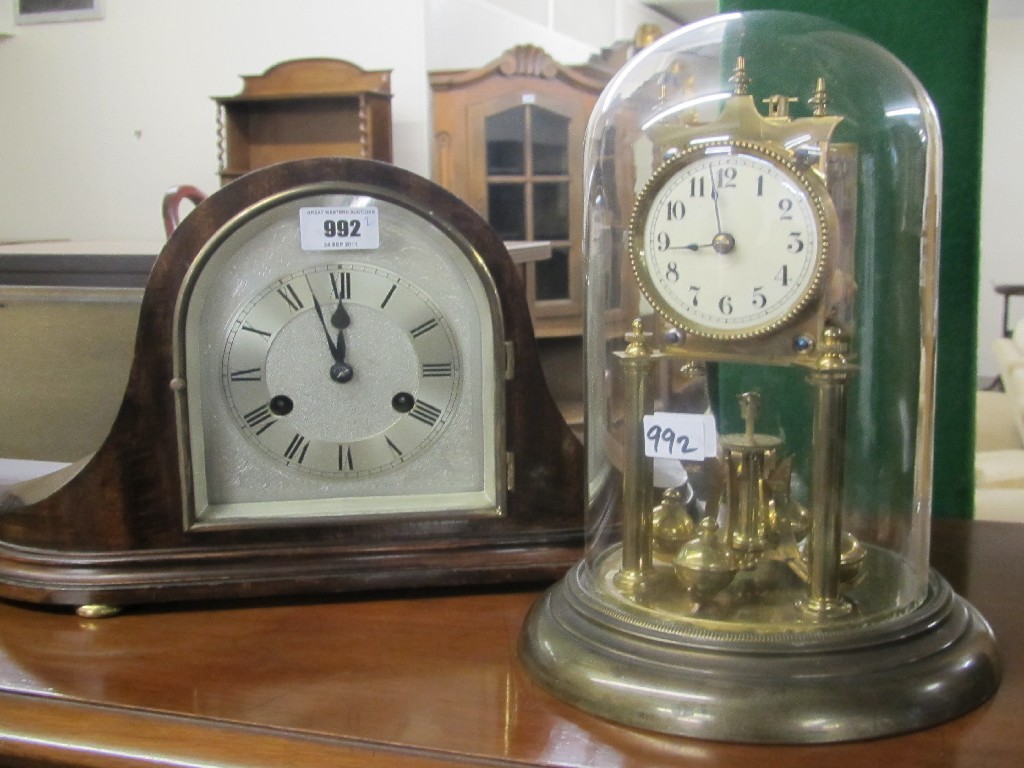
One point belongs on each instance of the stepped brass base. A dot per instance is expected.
(901, 674)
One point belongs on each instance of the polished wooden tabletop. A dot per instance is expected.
(412, 680)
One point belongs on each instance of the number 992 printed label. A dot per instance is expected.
(334, 229)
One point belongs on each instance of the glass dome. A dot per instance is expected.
(761, 223)
(762, 203)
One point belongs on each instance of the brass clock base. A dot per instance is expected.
(894, 676)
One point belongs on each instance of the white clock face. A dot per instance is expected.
(728, 241)
(342, 360)
(341, 370)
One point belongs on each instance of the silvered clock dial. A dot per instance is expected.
(338, 407)
(339, 361)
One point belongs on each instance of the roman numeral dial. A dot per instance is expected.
(284, 343)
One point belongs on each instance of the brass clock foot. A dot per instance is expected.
(97, 611)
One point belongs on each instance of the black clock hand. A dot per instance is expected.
(341, 371)
(719, 235)
(722, 242)
(714, 199)
(341, 320)
(323, 324)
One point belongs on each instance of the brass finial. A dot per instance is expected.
(835, 351)
(740, 79)
(819, 101)
(635, 342)
(673, 527)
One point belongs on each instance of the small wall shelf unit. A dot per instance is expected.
(304, 108)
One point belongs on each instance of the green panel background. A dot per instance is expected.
(943, 43)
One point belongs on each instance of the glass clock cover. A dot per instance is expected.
(761, 219)
(749, 189)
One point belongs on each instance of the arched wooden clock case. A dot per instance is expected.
(118, 527)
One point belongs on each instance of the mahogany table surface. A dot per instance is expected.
(411, 680)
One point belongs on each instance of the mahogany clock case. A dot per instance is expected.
(114, 531)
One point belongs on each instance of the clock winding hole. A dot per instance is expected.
(403, 402)
(281, 405)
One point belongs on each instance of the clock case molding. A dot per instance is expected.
(111, 529)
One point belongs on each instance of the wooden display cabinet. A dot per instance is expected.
(508, 139)
(304, 108)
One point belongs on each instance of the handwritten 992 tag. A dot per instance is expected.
(333, 229)
(680, 436)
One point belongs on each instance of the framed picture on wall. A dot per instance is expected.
(45, 11)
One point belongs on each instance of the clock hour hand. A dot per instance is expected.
(341, 371)
(722, 243)
(341, 320)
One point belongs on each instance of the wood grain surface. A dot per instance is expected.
(412, 679)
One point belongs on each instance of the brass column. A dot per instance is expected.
(637, 362)
(830, 379)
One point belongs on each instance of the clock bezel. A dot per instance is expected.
(812, 189)
(201, 514)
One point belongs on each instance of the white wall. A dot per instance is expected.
(98, 118)
(465, 34)
(471, 33)
(1002, 196)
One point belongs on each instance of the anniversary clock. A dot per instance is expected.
(335, 387)
(762, 207)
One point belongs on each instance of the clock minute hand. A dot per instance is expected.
(341, 371)
(714, 199)
(722, 242)
(323, 324)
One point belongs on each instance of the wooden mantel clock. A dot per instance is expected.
(335, 387)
